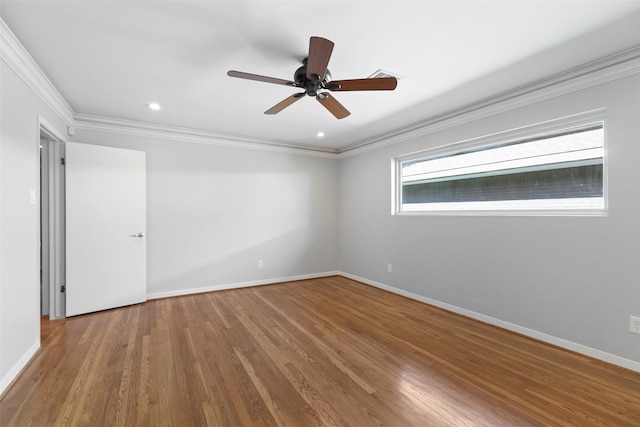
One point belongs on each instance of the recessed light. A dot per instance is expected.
(320, 134)
(153, 106)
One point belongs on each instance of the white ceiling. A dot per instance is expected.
(111, 58)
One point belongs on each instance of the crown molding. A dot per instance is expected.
(613, 67)
(173, 133)
(16, 56)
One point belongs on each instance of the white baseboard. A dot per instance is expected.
(179, 292)
(569, 345)
(6, 381)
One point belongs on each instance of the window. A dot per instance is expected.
(555, 172)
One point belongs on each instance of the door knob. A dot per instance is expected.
(140, 234)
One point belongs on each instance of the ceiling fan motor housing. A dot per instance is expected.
(310, 86)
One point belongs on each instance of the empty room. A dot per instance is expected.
(319, 213)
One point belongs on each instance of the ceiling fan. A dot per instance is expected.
(313, 76)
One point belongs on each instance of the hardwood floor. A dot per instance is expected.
(328, 351)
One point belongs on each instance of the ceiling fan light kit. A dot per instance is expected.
(314, 77)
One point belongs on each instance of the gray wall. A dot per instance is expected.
(19, 221)
(214, 211)
(571, 278)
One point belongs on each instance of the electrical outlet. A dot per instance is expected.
(260, 263)
(634, 325)
(389, 268)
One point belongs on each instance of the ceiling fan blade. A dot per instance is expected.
(332, 104)
(249, 76)
(319, 54)
(285, 103)
(381, 83)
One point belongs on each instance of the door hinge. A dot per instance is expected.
(63, 289)
(63, 161)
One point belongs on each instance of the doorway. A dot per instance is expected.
(85, 267)
(52, 246)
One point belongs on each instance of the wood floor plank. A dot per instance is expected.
(325, 352)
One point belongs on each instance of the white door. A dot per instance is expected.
(105, 228)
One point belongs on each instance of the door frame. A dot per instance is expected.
(55, 248)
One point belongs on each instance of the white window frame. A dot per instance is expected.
(474, 208)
